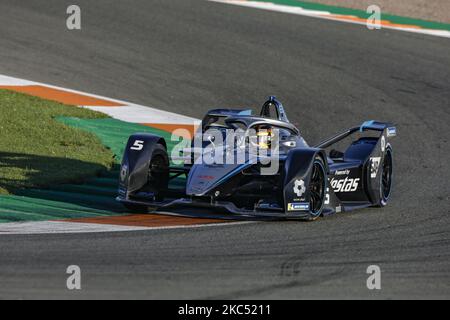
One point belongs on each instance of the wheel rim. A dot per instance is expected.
(386, 177)
(317, 189)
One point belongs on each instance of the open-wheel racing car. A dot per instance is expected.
(309, 182)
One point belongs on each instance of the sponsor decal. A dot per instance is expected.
(392, 132)
(290, 144)
(298, 206)
(342, 173)
(206, 178)
(375, 165)
(345, 185)
(327, 196)
(122, 192)
(124, 172)
(383, 144)
(299, 188)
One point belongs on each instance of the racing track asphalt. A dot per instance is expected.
(190, 55)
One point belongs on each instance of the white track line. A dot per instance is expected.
(56, 227)
(62, 227)
(130, 112)
(322, 15)
(274, 7)
(135, 113)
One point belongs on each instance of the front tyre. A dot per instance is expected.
(317, 188)
(158, 173)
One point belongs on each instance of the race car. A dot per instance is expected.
(308, 181)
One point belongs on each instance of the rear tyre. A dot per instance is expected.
(386, 178)
(317, 188)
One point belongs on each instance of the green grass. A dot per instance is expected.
(37, 151)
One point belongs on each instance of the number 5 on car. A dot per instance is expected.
(138, 145)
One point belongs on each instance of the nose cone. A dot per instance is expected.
(204, 178)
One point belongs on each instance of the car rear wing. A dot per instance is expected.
(391, 131)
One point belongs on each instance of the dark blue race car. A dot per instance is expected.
(308, 182)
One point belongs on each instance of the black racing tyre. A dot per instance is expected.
(386, 178)
(317, 188)
(158, 173)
